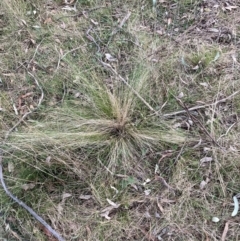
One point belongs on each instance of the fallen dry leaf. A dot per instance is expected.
(60, 209)
(57, 40)
(215, 219)
(106, 211)
(10, 167)
(61, 204)
(204, 84)
(195, 67)
(105, 214)
(169, 21)
(85, 197)
(66, 195)
(147, 215)
(68, 8)
(164, 200)
(24, 22)
(47, 21)
(230, 7)
(27, 95)
(110, 58)
(160, 206)
(63, 25)
(94, 22)
(180, 95)
(9, 74)
(115, 189)
(88, 231)
(15, 109)
(204, 183)
(205, 159)
(28, 186)
(48, 160)
(147, 192)
(113, 203)
(146, 181)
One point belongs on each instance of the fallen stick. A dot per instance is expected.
(33, 213)
(22, 204)
(224, 234)
(202, 106)
(119, 27)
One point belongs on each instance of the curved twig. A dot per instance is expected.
(22, 204)
(33, 213)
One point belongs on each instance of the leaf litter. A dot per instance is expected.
(108, 210)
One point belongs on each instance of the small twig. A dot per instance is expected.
(35, 52)
(224, 234)
(196, 121)
(27, 113)
(198, 107)
(179, 154)
(91, 38)
(22, 204)
(17, 124)
(33, 57)
(105, 167)
(227, 131)
(149, 236)
(70, 51)
(159, 178)
(128, 85)
(124, 20)
(34, 214)
(64, 55)
(64, 92)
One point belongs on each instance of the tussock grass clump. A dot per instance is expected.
(97, 133)
(113, 120)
